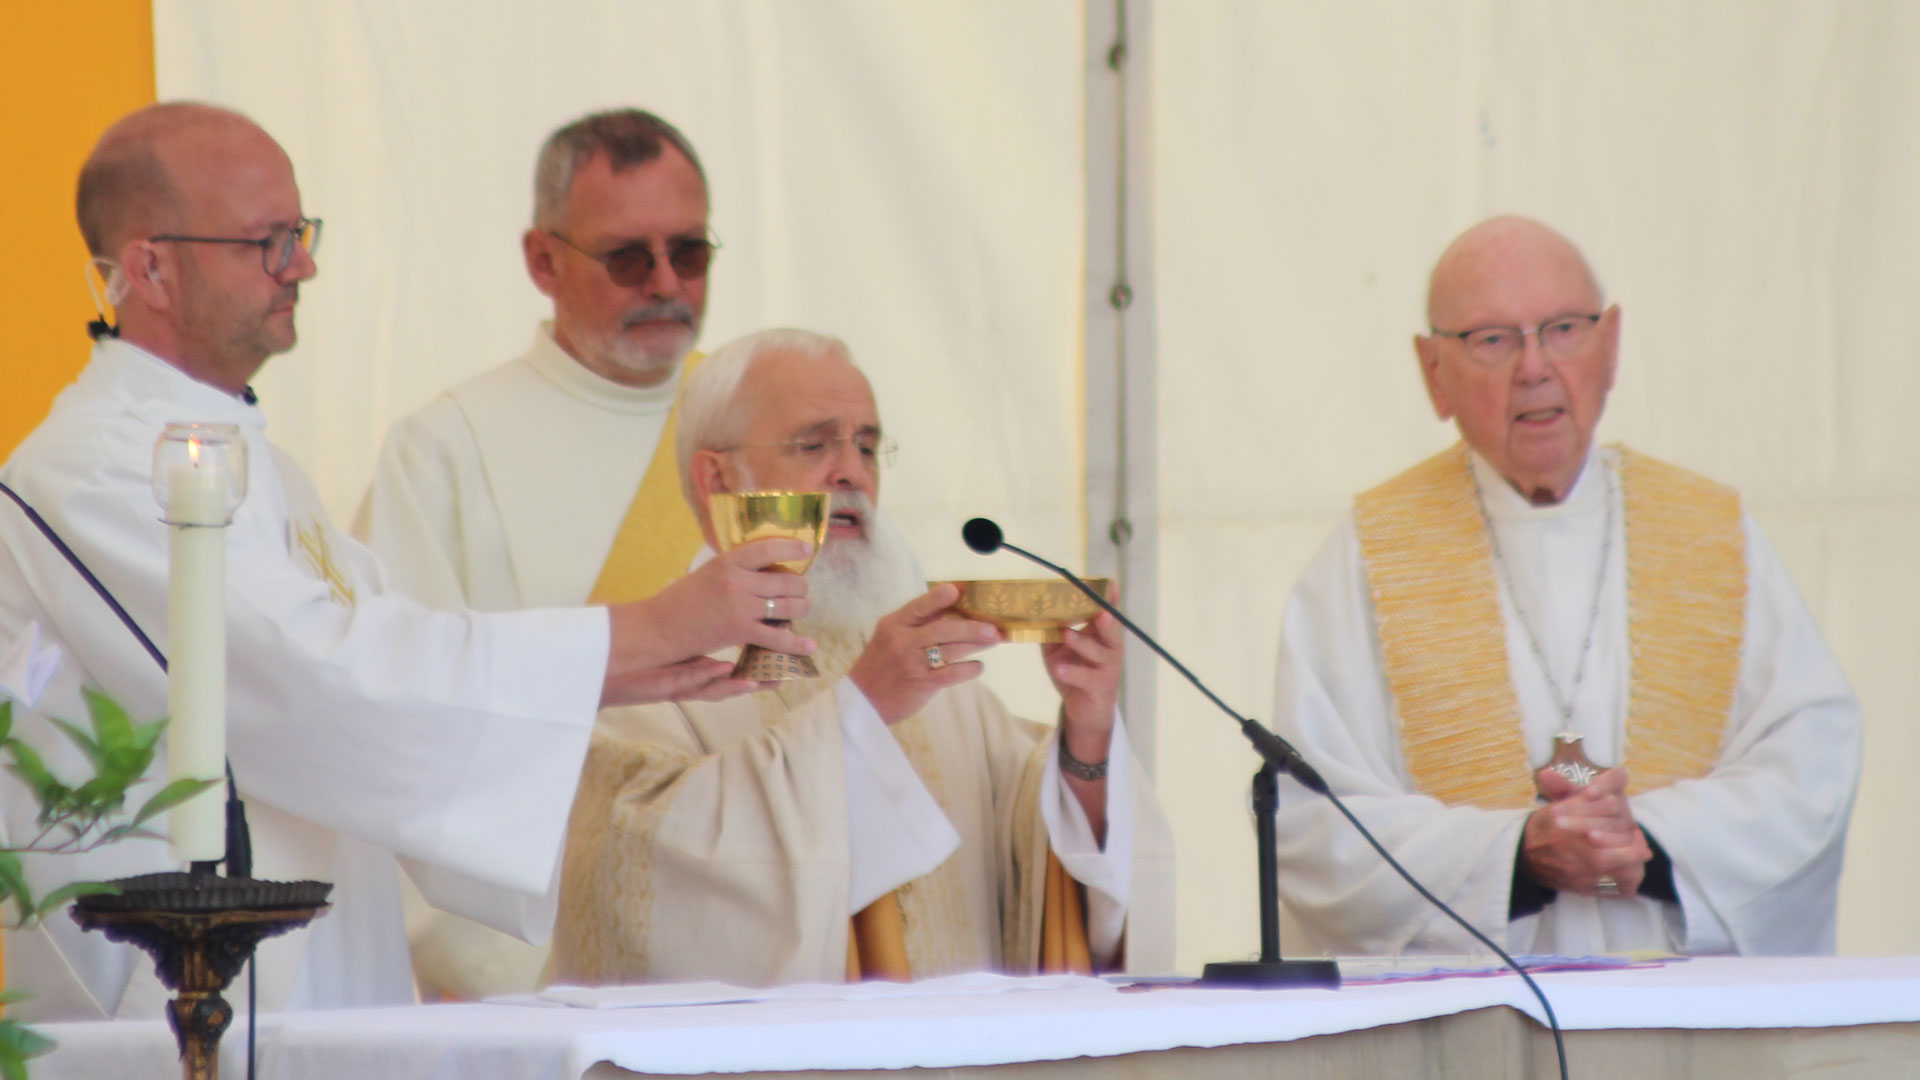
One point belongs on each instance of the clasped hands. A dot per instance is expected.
(898, 675)
(1585, 836)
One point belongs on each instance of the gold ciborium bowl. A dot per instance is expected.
(1028, 612)
(743, 517)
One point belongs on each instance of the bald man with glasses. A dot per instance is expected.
(550, 479)
(1571, 687)
(364, 728)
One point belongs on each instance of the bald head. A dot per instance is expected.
(1522, 355)
(188, 201)
(1486, 262)
(131, 184)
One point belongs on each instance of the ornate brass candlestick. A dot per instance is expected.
(743, 517)
(200, 930)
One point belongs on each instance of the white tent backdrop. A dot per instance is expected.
(913, 177)
(906, 177)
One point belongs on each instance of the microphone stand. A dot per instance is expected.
(1277, 756)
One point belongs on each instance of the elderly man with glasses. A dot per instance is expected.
(887, 818)
(1571, 688)
(363, 726)
(464, 508)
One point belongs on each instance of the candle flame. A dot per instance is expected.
(193, 450)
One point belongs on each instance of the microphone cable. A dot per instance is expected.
(239, 837)
(985, 537)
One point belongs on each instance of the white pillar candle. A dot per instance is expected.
(197, 651)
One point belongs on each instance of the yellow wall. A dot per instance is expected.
(67, 70)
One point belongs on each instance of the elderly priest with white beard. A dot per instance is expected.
(1479, 616)
(888, 818)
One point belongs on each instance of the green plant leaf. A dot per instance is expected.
(13, 886)
(6, 718)
(146, 735)
(53, 794)
(110, 721)
(98, 798)
(58, 898)
(82, 740)
(122, 767)
(19, 1042)
(171, 796)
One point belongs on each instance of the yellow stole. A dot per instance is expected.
(1443, 639)
(659, 535)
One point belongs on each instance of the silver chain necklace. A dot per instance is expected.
(1563, 701)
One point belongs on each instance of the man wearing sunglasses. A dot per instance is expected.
(1570, 686)
(463, 508)
(362, 726)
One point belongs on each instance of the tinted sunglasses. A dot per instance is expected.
(632, 265)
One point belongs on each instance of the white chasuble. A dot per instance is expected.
(1755, 835)
(361, 726)
(508, 491)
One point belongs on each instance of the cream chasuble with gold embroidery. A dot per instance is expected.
(1408, 680)
(718, 841)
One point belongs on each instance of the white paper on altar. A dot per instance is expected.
(664, 995)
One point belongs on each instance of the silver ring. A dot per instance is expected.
(769, 608)
(934, 659)
(1606, 886)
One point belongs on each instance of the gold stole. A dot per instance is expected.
(877, 940)
(878, 944)
(1443, 638)
(659, 535)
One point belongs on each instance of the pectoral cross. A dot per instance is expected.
(1570, 760)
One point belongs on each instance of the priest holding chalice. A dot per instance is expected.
(882, 816)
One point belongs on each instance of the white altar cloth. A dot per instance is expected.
(492, 1041)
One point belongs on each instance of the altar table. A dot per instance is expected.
(1710, 1017)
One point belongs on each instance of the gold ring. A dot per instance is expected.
(1606, 886)
(934, 659)
(769, 609)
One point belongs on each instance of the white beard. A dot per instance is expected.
(853, 584)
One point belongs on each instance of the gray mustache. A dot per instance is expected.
(664, 309)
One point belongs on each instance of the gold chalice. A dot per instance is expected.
(743, 517)
(1028, 612)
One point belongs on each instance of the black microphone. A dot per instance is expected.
(985, 537)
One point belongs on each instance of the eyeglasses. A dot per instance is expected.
(1493, 346)
(818, 449)
(276, 248)
(632, 265)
